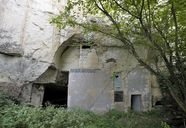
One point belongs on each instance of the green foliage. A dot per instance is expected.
(28, 117)
(157, 25)
(132, 18)
(165, 125)
(5, 100)
(19, 116)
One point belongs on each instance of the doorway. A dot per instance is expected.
(136, 102)
(55, 95)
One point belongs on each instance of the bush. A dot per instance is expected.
(19, 116)
(5, 100)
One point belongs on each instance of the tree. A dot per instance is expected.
(156, 24)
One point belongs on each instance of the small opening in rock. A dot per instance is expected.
(111, 60)
(85, 46)
(158, 103)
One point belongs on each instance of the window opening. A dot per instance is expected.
(86, 47)
(117, 82)
(118, 96)
(118, 93)
(158, 103)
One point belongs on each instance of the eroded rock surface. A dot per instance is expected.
(11, 49)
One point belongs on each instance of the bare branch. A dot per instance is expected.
(99, 30)
(125, 40)
(149, 15)
(159, 48)
(126, 10)
(166, 42)
(173, 10)
(142, 7)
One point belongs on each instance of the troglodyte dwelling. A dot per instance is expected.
(43, 65)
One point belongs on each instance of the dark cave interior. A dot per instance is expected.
(55, 95)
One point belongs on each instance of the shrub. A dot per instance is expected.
(21, 116)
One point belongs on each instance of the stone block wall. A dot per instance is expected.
(90, 89)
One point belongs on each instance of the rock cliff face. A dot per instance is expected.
(37, 58)
(27, 41)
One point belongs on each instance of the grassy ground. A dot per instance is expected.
(19, 116)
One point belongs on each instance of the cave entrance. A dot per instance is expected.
(57, 93)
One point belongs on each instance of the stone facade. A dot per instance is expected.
(124, 77)
(35, 57)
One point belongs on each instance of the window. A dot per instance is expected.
(86, 47)
(117, 82)
(118, 96)
(118, 93)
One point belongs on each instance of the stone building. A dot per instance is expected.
(41, 64)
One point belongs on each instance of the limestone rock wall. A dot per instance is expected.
(27, 40)
(33, 50)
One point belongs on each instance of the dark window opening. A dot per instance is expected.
(111, 60)
(118, 96)
(158, 103)
(136, 102)
(55, 95)
(85, 46)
